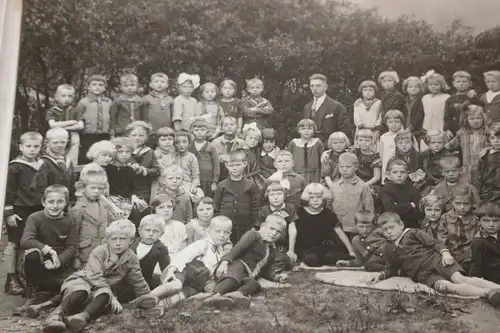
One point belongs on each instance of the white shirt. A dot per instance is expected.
(490, 95)
(319, 101)
(174, 235)
(434, 106)
(143, 250)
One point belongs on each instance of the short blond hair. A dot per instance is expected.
(221, 219)
(338, 136)
(413, 80)
(100, 147)
(306, 123)
(315, 188)
(66, 87)
(394, 114)
(121, 226)
(153, 220)
(138, 124)
(495, 74)
(462, 74)
(159, 74)
(255, 82)
(277, 219)
(438, 78)
(349, 158)
(125, 78)
(35, 136)
(56, 132)
(367, 84)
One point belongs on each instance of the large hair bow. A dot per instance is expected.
(195, 79)
(427, 75)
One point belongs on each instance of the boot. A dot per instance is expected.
(12, 285)
(77, 322)
(34, 310)
(30, 295)
(54, 322)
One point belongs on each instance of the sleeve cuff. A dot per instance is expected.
(8, 211)
(45, 250)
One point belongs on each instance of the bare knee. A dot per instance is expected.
(458, 278)
(10, 248)
(442, 286)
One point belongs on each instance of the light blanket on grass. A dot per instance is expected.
(304, 267)
(360, 279)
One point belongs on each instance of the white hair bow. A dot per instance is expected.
(426, 75)
(278, 177)
(195, 79)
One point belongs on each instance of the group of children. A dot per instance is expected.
(176, 197)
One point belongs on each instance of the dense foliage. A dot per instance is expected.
(281, 41)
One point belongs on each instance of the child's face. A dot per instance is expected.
(268, 145)
(433, 212)
(119, 242)
(205, 211)
(252, 139)
(255, 90)
(97, 87)
(276, 198)
(200, 133)
(388, 83)
(94, 189)
(181, 144)
(394, 124)
(271, 231)
(236, 167)
(490, 224)
(219, 233)
(229, 127)
(150, 233)
(365, 142)
(434, 87)
(495, 141)
(436, 144)
(104, 158)
(173, 180)
(129, 88)
(475, 121)
(65, 97)
(347, 170)
(338, 145)
(139, 136)
(462, 205)
(492, 83)
(393, 229)
(123, 154)
(227, 91)
(159, 84)
(283, 163)
(57, 145)
(462, 84)
(316, 200)
(413, 89)
(368, 93)
(451, 173)
(30, 148)
(186, 89)
(404, 145)
(54, 204)
(166, 142)
(209, 93)
(306, 132)
(364, 228)
(166, 210)
(398, 174)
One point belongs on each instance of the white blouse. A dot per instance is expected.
(434, 111)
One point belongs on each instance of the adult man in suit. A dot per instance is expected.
(328, 114)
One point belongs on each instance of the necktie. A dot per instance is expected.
(314, 107)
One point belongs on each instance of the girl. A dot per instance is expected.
(391, 98)
(252, 137)
(338, 142)
(367, 111)
(189, 165)
(394, 120)
(165, 155)
(307, 151)
(414, 88)
(491, 98)
(434, 104)
(231, 106)
(144, 161)
(184, 104)
(269, 151)
(210, 110)
(197, 228)
(255, 109)
(369, 161)
(471, 138)
(405, 150)
(316, 237)
(433, 207)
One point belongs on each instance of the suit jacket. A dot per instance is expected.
(330, 117)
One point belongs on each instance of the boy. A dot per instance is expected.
(226, 143)
(426, 260)
(237, 197)
(248, 260)
(295, 182)
(368, 244)
(350, 193)
(50, 242)
(488, 183)
(128, 107)
(255, 109)
(158, 103)
(207, 156)
(491, 98)
(62, 115)
(485, 246)
(454, 105)
(93, 111)
(22, 198)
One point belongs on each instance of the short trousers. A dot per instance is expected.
(195, 275)
(430, 275)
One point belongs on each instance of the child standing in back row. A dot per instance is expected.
(255, 109)
(394, 121)
(491, 98)
(367, 111)
(391, 99)
(456, 103)
(159, 104)
(184, 104)
(489, 167)
(209, 109)
(414, 87)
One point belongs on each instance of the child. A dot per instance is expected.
(405, 151)
(210, 110)
(433, 207)
(252, 137)
(458, 227)
(237, 197)
(367, 111)
(128, 107)
(426, 260)
(144, 162)
(316, 237)
(158, 103)
(62, 115)
(471, 139)
(56, 168)
(414, 87)
(93, 111)
(165, 155)
(285, 174)
(454, 105)
(338, 142)
(350, 193)
(255, 109)
(189, 165)
(196, 229)
(22, 198)
(485, 246)
(227, 142)
(268, 153)
(307, 151)
(489, 167)
(430, 158)
(50, 242)
(491, 98)
(434, 104)
(368, 244)
(88, 292)
(230, 105)
(206, 154)
(249, 259)
(399, 196)
(394, 121)
(172, 186)
(184, 104)
(391, 98)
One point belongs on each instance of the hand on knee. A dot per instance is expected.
(441, 286)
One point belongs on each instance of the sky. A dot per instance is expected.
(480, 14)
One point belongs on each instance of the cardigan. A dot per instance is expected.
(122, 180)
(492, 108)
(94, 112)
(125, 110)
(485, 261)
(208, 161)
(159, 110)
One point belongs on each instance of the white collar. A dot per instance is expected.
(397, 241)
(319, 101)
(301, 143)
(272, 153)
(490, 95)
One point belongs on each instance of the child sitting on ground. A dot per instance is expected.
(196, 229)
(285, 174)
(189, 165)
(368, 244)
(427, 260)
(433, 207)
(485, 261)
